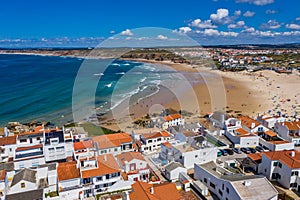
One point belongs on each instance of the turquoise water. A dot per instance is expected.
(40, 87)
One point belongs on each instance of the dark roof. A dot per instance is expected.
(51, 166)
(24, 174)
(172, 166)
(240, 177)
(30, 195)
(246, 162)
(7, 166)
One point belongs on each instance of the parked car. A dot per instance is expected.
(259, 149)
(252, 150)
(245, 150)
(237, 150)
(219, 153)
(229, 151)
(224, 152)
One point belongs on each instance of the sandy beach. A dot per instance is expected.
(245, 93)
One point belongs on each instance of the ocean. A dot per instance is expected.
(40, 87)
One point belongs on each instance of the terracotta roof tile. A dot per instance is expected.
(292, 125)
(112, 140)
(106, 165)
(166, 191)
(255, 156)
(167, 144)
(172, 117)
(156, 135)
(285, 157)
(8, 140)
(29, 147)
(247, 121)
(270, 133)
(129, 156)
(83, 145)
(67, 171)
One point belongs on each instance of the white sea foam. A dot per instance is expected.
(121, 73)
(109, 85)
(101, 74)
(143, 79)
(115, 64)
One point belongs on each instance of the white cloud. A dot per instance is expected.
(162, 37)
(183, 30)
(293, 26)
(112, 32)
(298, 18)
(239, 24)
(214, 32)
(237, 13)
(249, 30)
(221, 17)
(271, 24)
(127, 32)
(202, 24)
(256, 2)
(249, 14)
(211, 32)
(271, 11)
(291, 33)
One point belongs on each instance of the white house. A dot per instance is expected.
(151, 142)
(113, 143)
(84, 149)
(252, 125)
(172, 171)
(134, 165)
(168, 121)
(8, 145)
(198, 150)
(228, 186)
(242, 138)
(69, 185)
(290, 131)
(282, 166)
(99, 174)
(269, 121)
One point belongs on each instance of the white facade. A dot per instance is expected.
(173, 173)
(227, 186)
(150, 145)
(276, 170)
(289, 135)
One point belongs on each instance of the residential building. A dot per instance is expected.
(172, 171)
(151, 142)
(98, 174)
(69, 180)
(289, 131)
(113, 143)
(252, 125)
(197, 150)
(84, 149)
(283, 167)
(270, 121)
(242, 138)
(134, 165)
(228, 186)
(29, 156)
(168, 121)
(8, 145)
(165, 191)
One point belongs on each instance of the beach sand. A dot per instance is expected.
(205, 90)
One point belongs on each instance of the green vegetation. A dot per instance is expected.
(94, 130)
(51, 194)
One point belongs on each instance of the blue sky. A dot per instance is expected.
(85, 23)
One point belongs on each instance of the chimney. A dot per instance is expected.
(252, 125)
(247, 183)
(104, 157)
(152, 190)
(292, 153)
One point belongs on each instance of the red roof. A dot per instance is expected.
(83, 145)
(172, 117)
(285, 157)
(156, 135)
(106, 165)
(67, 171)
(8, 140)
(112, 140)
(247, 121)
(29, 147)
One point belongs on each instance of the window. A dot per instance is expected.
(279, 165)
(275, 163)
(159, 139)
(212, 185)
(116, 149)
(22, 185)
(205, 180)
(114, 175)
(293, 185)
(227, 190)
(99, 178)
(23, 140)
(196, 156)
(220, 192)
(38, 138)
(223, 186)
(107, 177)
(149, 141)
(204, 153)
